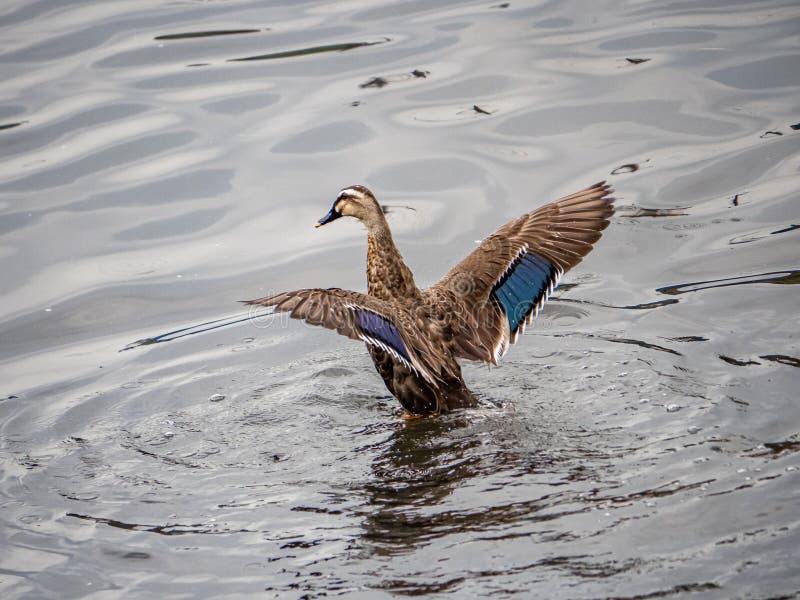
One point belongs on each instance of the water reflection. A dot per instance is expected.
(425, 462)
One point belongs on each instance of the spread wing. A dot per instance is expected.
(489, 297)
(362, 317)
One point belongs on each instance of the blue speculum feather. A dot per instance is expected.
(523, 285)
(381, 329)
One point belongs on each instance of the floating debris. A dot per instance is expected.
(771, 133)
(480, 110)
(629, 168)
(671, 408)
(503, 5)
(637, 61)
(375, 82)
(693, 429)
(379, 82)
(216, 398)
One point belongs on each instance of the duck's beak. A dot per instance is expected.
(331, 216)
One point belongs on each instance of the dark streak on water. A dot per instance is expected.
(11, 125)
(776, 277)
(201, 34)
(632, 445)
(306, 51)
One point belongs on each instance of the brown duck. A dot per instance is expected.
(475, 312)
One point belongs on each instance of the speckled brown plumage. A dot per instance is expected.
(477, 311)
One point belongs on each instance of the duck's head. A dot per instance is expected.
(354, 201)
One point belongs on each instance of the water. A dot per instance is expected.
(640, 442)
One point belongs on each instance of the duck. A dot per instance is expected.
(476, 312)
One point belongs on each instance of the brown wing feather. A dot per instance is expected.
(563, 232)
(335, 309)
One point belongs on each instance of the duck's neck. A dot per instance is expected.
(388, 276)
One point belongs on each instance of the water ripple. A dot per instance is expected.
(160, 162)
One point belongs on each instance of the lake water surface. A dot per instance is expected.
(161, 160)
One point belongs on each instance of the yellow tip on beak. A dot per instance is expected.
(317, 224)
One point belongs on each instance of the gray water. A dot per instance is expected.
(161, 161)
